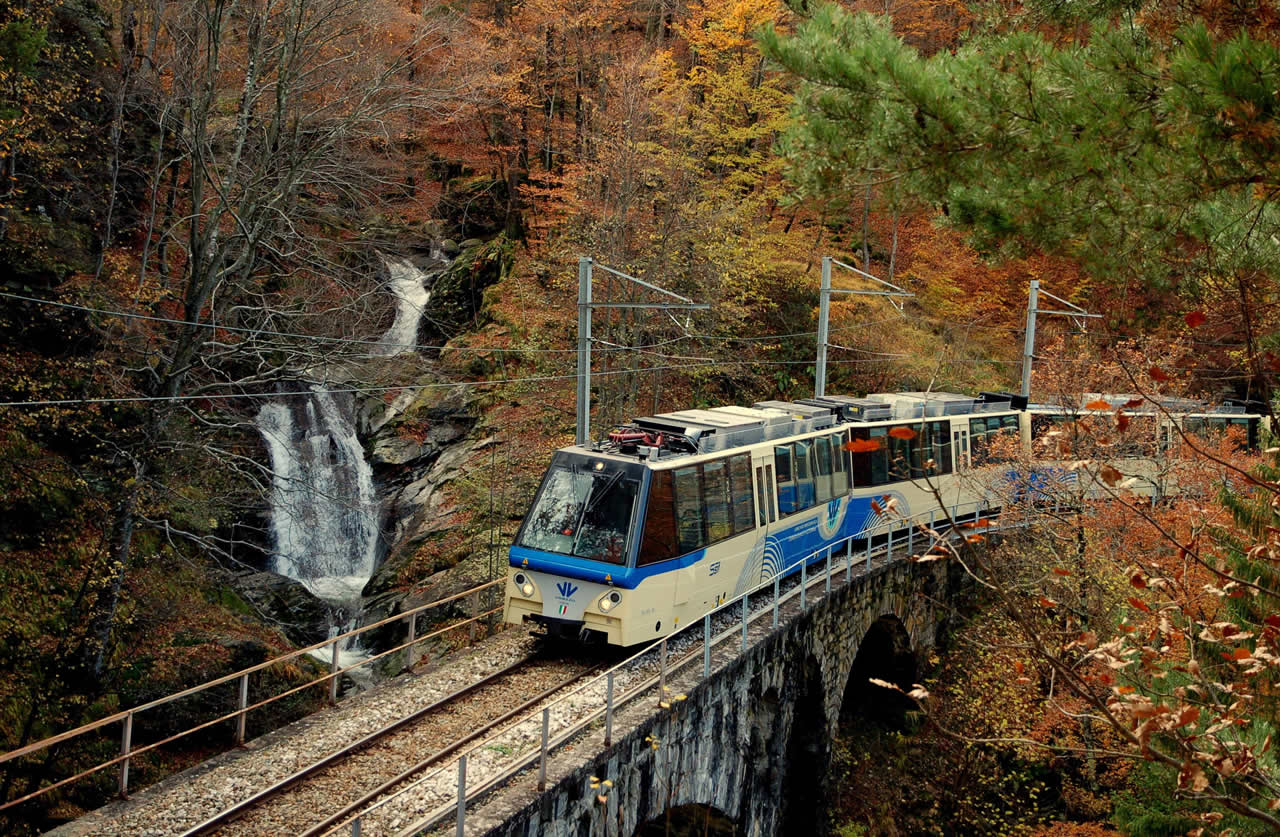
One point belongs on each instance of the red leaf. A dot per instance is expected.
(1273, 620)
(1138, 580)
(902, 433)
(1140, 604)
(1133, 403)
(1061, 571)
(1098, 404)
(1110, 475)
(875, 507)
(1047, 603)
(1194, 319)
(1158, 374)
(862, 445)
(1122, 422)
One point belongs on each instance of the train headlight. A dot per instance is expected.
(609, 601)
(526, 586)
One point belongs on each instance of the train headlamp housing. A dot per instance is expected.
(609, 601)
(525, 585)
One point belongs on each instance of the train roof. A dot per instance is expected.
(714, 429)
(1116, 401)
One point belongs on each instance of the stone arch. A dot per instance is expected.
(808, 751)
(885, 653)
(693, 818)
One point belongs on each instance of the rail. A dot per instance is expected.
(903, 533)
(128, 718)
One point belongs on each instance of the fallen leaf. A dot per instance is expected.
(1194, 319)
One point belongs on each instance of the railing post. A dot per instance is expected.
(542, 758)
(475, 614)
(776, 591)
(888, 545)
(848, 561)
(911, 537)
(355, 827)
(413, 638)
(826, 585)
(462, 792)
(333, 675)
(244, 708)
(804, 582)
(126, 747)
(744, 622)
(662, 668)
(608, 709)
(868, 552)
(706, 645)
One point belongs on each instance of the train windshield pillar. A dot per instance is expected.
(584, 510)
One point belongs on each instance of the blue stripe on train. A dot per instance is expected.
(794, 542)
(791, 543)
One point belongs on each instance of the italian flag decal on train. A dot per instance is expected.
(564, 609)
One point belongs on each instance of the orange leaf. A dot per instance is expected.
(1140, 605)
(1158, 374)
(1046, 603)
(1241, 654)
(1194, 319)
(1099, 404)
(975, 538)
(875, 507)
(1061, 571)
(902, 433)
(1110, 475)
(1017, 666)
(862, 445)
(1187, 716)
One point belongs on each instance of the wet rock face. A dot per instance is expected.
(302, 616)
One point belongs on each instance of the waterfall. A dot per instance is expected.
(406, 285)
(324, 511)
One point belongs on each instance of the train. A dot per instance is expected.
(674, 514)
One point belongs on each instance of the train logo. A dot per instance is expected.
(830, 522)
(566, 589)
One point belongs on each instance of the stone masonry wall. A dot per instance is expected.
(754, 740)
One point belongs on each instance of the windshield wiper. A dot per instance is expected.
(593, 499)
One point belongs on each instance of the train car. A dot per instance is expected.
(632, 537)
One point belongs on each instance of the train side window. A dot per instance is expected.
(741, 502)
(803, 476)
(786, 484)
(822, 468)
(880, 456)
(859, 457)
(688, 508)
(900, 454)
(715, 491)
(839, 468)
(659, 541)
(942, 452)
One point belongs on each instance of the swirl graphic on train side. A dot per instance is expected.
(775, 559)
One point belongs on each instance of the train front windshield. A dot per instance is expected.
(583, 509)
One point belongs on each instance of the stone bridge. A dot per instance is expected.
(753, 741)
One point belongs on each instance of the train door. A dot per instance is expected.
(766, 507)
(960, 444)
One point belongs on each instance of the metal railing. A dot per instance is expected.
(129, 718)
(905, 533)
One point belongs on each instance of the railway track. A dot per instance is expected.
(337, 786)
